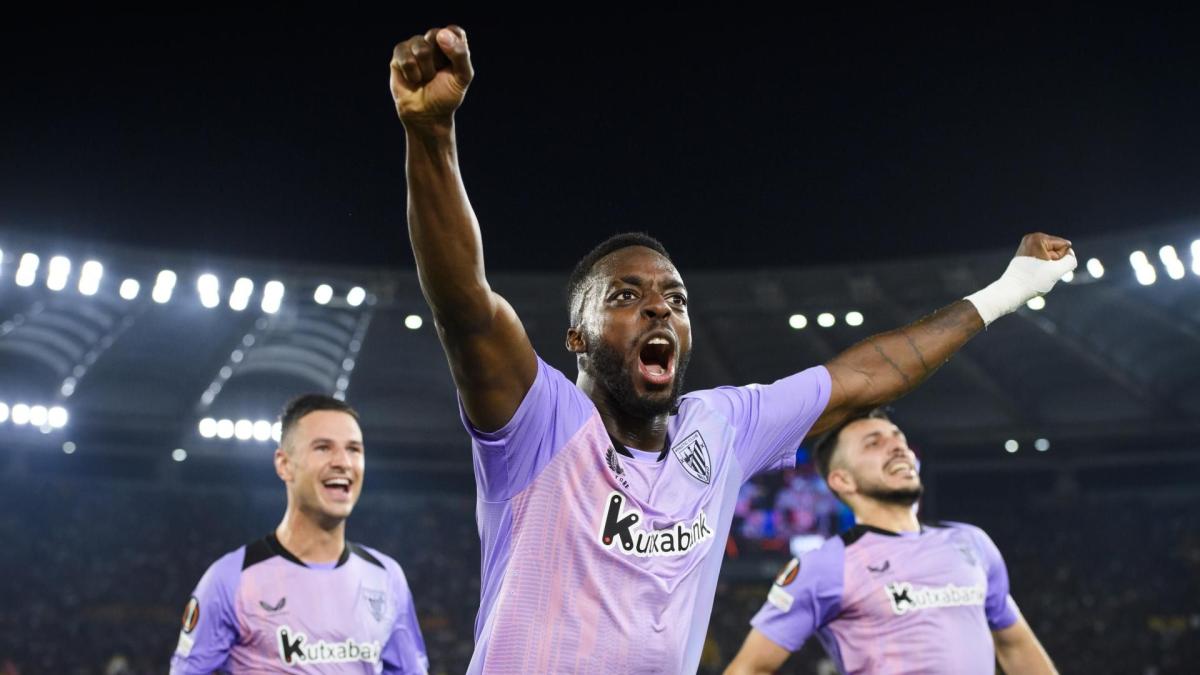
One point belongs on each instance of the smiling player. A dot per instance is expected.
(304, 597)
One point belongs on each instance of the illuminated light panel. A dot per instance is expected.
(239, 299)
(89, 277)
(797, 321)
(825, 320)
(854, 318)
(272, 297)
(164, 286)
(1095, 268)
(356, 296)
(323, 294)
(57, 272)
(27, 269)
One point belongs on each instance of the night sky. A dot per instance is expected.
(741, 140)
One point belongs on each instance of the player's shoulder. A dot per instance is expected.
(223, 575)
(373, 556)
(826, 559)
(954, 525)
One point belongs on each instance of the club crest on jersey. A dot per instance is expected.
(620, 532)
(907, 598)
(692, 453)
(295, 649)
(376, 602)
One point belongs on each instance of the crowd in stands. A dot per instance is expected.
(94, 575)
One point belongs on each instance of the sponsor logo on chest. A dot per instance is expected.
(905, 598)
(620, 532)
(295, 649)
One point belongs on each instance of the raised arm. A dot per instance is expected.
(490, 355)
(884, 367)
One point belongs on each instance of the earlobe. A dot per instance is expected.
(575, 342)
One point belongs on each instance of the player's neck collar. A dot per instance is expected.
(620, 447)
(855, 533)
(278, 549)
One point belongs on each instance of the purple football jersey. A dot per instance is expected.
(883, 602)
(260, 609)
(598, 562)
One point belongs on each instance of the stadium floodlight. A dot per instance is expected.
(27, 269)
(825, 320)
(1011, 446)
(276, 431)
(1036, 303)
(323, 294)
(225, 429)
(854, 318)
(38, 415)
(179, 454)
(130, 289)
(1196, 257)
(262, 431)
(1142, 268)
(243, 430)
(1170, 260)
(164, 286)
(347, 364)
(272, 297)
(57, 272)
(343, 383)
(797, 321)
(1095, 268)
(237, 356)
(68, 447)
(57, 417)
(20, 414)
(1068, 277)
(356, 296)
(210, 290)
(239, 299)
(3, 412)
(413, 322)
(89, 277)
(1041, 445)
(208, 427)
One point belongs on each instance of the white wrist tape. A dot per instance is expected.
(1025, 278)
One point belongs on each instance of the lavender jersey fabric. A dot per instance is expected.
(259, 609)
(598, 562)
(882, 602)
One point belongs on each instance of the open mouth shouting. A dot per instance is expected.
(656, 359)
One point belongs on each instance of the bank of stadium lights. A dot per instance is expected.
(164, 286)
(260, 431)
(272, 297)
(1095, 268)
(239, 298)
(413, 322)
(57, 272)
(89, 277)
(39, 416)
(210, 290)
(27, 269)
(323, 294)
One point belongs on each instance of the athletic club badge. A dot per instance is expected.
(692, 453)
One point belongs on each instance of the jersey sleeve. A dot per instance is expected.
(806, 595)
(210, 625)
(998, 605)
(772, 419)
(404, 653)
(507, 460)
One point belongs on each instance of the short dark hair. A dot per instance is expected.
(583, 268)
(824, 447)
(304, 404)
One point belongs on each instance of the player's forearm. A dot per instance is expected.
(444, 232)
(885, 367)
(1026, 658)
